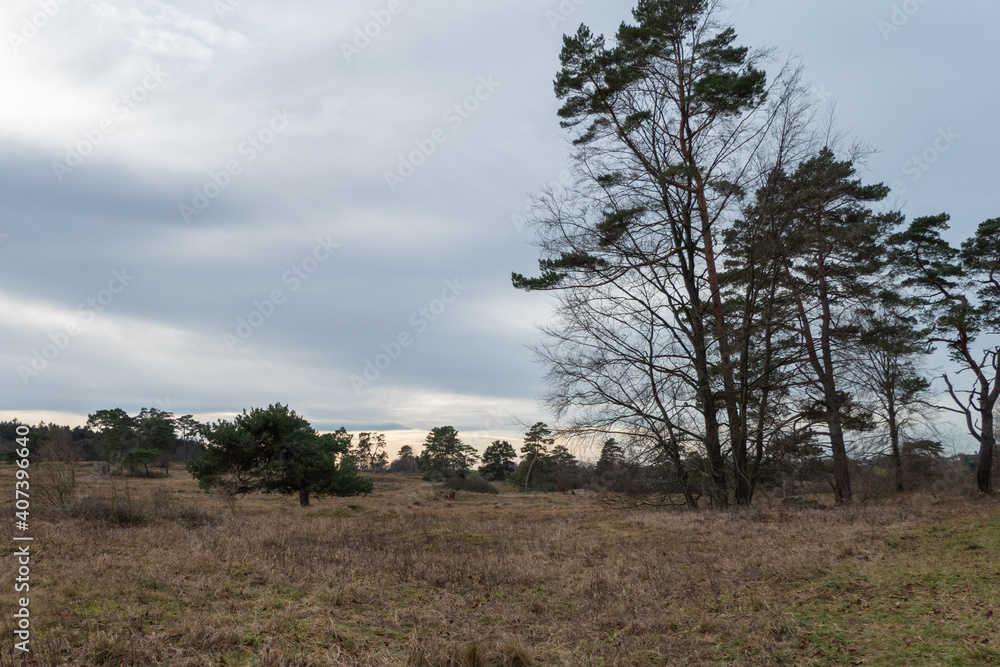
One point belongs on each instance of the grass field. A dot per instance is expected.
(405, 576)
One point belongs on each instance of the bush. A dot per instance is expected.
(55, 476)
(106, 510)
(473, 484)
(121, 509)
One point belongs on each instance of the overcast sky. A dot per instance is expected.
(204, 207)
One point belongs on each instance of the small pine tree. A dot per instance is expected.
(445, 455)
(275, 450)
(611, 455)
(498, 461)
(536, 443)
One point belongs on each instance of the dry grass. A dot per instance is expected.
(407, 577)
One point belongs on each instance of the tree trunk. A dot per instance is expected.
(713, 445)
(897, 459)
(303, 497)
(841, 464)
(984, 470)
(527, 477)
(673, 451)
(737, 439)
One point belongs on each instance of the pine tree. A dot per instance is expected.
(611, 455)
(274, 450)
(445, 455)
(835, 253)
(961, 293)
(498, 461)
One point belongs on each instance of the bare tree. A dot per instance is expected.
(56, 478)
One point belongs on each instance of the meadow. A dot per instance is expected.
(156, 572)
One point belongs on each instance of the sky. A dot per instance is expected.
(217, 205)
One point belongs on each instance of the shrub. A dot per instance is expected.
(55, 479)
(474, 484)
(97, 508)
(120, 509)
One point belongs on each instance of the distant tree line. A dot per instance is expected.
(126, 443)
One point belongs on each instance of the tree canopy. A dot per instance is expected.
(274, 450)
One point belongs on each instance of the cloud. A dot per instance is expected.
(160, 30)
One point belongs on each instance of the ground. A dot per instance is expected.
(406, 576)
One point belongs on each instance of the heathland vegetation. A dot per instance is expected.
(741, 341)
(155, 571)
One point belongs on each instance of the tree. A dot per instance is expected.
(370, 452)
(116, 431)
(673, 126)
(406, 461)
(961, 290)
(887, 371)
(137, 461)
(613, 370)
(563, 466)
(445, 455)
(274, 450)
(611, 455)
(767, 355)
(189, 430)
(921, 455)
(835, 254)
(498, 461)
(157, 431)
(536, 443)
